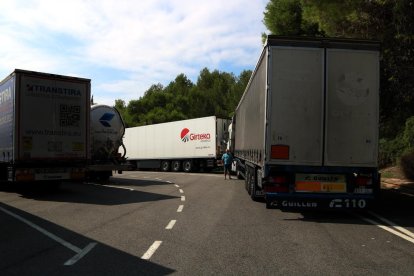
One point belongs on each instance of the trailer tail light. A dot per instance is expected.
(77, 173)
(363, 184)
(363, 180)
(279, 152)
(24, 175)
(277, 184)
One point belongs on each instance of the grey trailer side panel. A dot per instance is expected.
(352, 108)
(296, 104)
(250, 116)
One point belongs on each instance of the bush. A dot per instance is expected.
(390, 151)
(407, 165)
(403, 144)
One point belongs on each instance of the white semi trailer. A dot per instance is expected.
(305, 132)
(181, 145)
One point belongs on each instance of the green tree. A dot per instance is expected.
(286, 17)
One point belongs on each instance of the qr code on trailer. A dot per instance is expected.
(69, 115)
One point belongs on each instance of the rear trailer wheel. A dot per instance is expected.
(165, 166)
(252, 188)
(176, 166)
(188, 165)
(246, 182)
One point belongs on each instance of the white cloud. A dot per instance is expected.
(144, 42)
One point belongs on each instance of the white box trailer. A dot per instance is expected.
(181, 145)
(44, 127)
(305, 131)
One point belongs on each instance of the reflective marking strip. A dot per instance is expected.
(151, 250)
(182, 198)
(181, 191)
(80, 252)
(393, 224)
(177, 186)
(180, 208)
(171, 224)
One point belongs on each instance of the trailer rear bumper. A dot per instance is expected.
(319, 201)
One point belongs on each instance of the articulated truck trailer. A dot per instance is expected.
(305, 132)
(44, 127)
(187, 145)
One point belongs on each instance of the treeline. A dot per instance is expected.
(215, 93)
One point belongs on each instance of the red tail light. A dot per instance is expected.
(277, 184)
(363, 180)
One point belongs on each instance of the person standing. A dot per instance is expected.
(227, 160)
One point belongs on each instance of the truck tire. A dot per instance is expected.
(176, 166)
(246, 181)
(188, 165)
(238, 174)
(165, 166)
(253, 189)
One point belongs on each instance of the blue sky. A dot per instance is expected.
(126, 46)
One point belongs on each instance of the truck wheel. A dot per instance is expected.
(165, 166)
(188, 165)
(253, 189)
(246, 182)
(238, 174)
(176, 166)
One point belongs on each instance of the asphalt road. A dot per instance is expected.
(152, 223)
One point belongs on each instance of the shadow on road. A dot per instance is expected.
(84, 193)
(27, 251)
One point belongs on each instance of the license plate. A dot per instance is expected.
(320, 183)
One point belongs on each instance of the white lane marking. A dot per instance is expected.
(386, 228)
(80, 252)
(159, 179)
(169, 182)
(151, 250)
(182, 198)
(181, 191)
(110, 186)
(393, 224)
(80, 255)
(180, 208)
(177, 186)
(171, 224)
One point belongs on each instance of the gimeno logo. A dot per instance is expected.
(187, 136)
(184, 135)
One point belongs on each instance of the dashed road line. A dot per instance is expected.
(147, 255)
(80, 252)
(181, 191)
(180, 208)
(182, 198)
(177, 186)
(171, 224)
